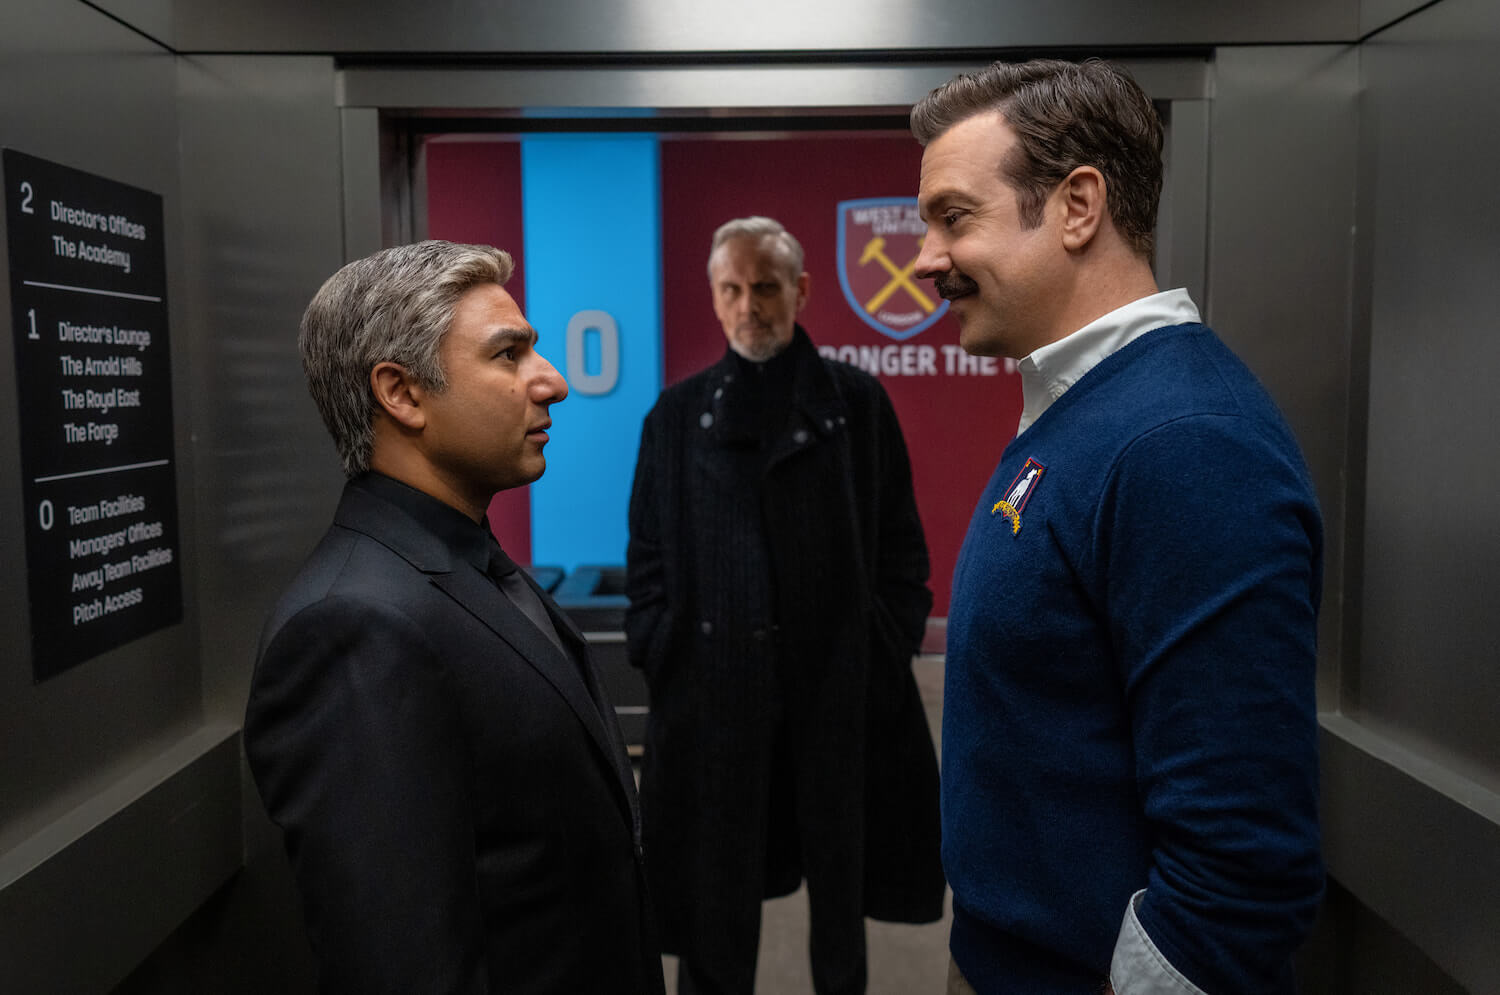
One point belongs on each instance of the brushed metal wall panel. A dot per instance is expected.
(262, 203)
(1281, 219)
(697, 88)
(83, 901)
(1182, 217)
(1412, 766)
(362, 194)
(150, 17)
(79, 89)
(1375, 15)
(1419, 845)
(483, 26)
(1431, 632)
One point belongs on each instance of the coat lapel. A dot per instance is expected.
(818, 414)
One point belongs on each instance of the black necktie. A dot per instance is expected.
(507, 576)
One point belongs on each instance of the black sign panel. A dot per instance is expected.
(89, 318)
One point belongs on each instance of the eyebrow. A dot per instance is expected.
(933, 201)
(503, 336)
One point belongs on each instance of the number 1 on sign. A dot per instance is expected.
(31, 313)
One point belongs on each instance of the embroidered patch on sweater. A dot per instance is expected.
(1020, 492)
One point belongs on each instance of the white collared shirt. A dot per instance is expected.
(1048, 372)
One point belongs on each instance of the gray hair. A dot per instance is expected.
(392, 307)
(786, 245)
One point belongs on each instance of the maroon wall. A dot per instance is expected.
(955, 425)
(957, 417)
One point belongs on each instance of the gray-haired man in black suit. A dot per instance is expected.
(423, 723)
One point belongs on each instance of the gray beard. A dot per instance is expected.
(760, 350)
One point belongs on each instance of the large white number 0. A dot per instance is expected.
(579, 377)
(26, 198)
(44, 515)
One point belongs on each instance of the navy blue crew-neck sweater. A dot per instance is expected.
(1129, 697)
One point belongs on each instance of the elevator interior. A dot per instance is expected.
(1327, 208)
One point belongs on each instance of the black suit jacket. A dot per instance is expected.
(459, 811)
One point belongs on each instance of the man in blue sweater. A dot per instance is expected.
(1129, 734)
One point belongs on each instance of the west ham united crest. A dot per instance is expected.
(879, 239)
(1019, 494)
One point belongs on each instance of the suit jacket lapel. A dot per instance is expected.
(478, 595)
(604, 710)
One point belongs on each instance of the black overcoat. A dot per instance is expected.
(780, 595)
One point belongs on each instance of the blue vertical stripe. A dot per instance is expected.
(591, 211)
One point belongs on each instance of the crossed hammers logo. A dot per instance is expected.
(875, 250)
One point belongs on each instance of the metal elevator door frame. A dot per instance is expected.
(384, 109)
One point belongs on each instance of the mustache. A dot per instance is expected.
(954, 284)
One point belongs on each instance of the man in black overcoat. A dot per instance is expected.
(423, 723)
(777, 576)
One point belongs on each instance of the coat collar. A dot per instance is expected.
(818, 410)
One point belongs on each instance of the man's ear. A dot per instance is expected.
(1084, 206)
(398, 393)
(804, 286)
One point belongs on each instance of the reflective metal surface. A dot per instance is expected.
(742, 87)
(80, 90)
(262, 230)
(1427, 679)
(628, 26)
(1280, 225)
(119, 808)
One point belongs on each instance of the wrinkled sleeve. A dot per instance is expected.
(355, 743)
(1210, 542)
(649, 616)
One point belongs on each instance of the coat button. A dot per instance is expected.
(706, 627)
(706, 419)
(760, 634)
(799, 436)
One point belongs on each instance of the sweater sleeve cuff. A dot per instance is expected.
(1138, 967)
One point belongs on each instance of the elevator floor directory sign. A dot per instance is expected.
(94, 384)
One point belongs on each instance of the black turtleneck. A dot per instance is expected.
(765, 392)
(467, 539)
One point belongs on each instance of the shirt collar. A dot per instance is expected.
(1048, 372)
(466, 539)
